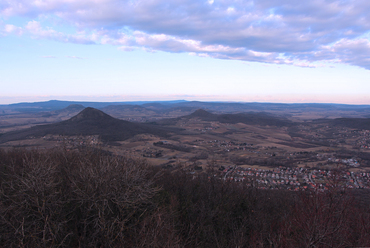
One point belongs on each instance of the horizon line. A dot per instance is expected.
(178, 100)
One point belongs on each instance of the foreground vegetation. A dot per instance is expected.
(88, 198)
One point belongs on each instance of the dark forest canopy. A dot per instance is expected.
(87, 198)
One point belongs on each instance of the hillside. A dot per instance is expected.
(357, 123)
(90, 121)
(263, 119)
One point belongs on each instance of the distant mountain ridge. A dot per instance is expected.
(226, 107)
(53, 105)
(71, 109)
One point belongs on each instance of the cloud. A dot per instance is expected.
(354, 52)
(13, 29)
(8, 29)
(284, 32)
(35, 29)
(127, 48)
(74, 57)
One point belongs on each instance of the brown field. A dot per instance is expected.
(205, 143)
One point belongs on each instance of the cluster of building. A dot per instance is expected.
(227, 146)
(349, 162)
(296, 178)
(74, 141)
(364, 140)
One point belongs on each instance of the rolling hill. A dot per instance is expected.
(355, 123)
(251, 118)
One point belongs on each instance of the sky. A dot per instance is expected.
(208, 50)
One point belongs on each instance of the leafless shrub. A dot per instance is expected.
(159, 231)
(31, 202)
(114, 194)
(63, 198)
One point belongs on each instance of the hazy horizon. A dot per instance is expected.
(149, 99)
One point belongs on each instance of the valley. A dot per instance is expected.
(251, 146)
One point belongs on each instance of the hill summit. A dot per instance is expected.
(91, 114)
(202, 114)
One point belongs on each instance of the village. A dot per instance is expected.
(297, 178)
(305, 156)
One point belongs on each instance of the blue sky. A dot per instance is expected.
(114, 50)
